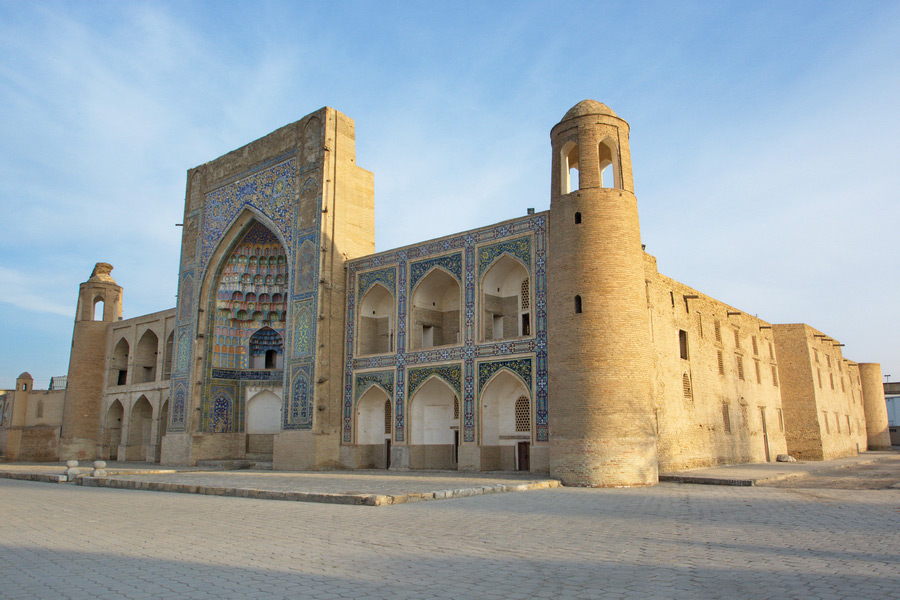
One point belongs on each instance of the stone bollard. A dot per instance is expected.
(99, 468)
(785, 458)
(72, 470)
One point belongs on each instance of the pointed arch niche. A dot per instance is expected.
(608, 155)
(145, 356)
(112, 430)
(375, 331)
(118, 363)
(250, 298)
(568, 163)
(506, 418)
(506, 300)
(435, 311)
(434, 426)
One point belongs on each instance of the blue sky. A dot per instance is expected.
(763, 138)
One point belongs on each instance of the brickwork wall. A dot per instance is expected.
(694, 394)
(821, 393)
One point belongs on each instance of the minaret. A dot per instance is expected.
(602, 419)
(87, 364)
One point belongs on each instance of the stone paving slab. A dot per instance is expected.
(750, 474)
(361, 488)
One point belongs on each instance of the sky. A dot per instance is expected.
(763, 138)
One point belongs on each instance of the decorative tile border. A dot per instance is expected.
(526, 240)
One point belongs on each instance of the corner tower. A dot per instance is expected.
(602, 420)
(99, 304)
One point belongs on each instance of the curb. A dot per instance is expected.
(320, 497)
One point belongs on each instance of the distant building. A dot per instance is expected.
(547, 343)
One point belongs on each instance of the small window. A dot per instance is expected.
(740, 366)
(526, 324)
(123, 374)
(577, 304)
(774, 375)
(737, 338)
(271, 356)
(683, 344)
(831, 380)
(849, 431)
(39, 410)
(721, 360)
(819, 376)
(578, 218)
(455, 407)
(718, 327)
(686, 387)
(726, 418)
(523, 414)
(771, 351)
(758, 373)
(755, 347)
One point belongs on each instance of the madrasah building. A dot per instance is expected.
(547, 343)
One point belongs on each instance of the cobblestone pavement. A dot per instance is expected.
(666, 541)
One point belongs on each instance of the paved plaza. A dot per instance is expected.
(668, 541)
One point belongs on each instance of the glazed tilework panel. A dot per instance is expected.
(250, 298)
(366, 380)
(452, 374)
(177, 414)
(269, 190)
(218, 414)
(386, 277)
(521, 367)
(452, 263)
(526, 239)
(520, 248)
(299, 399)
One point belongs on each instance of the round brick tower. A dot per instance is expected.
(874, 406)
(602, 419)
(99, 304)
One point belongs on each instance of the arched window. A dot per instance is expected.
(578, 218)
(569, 166)
(39, 410)
(609, 165)
(99, 307)
(577, 304)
